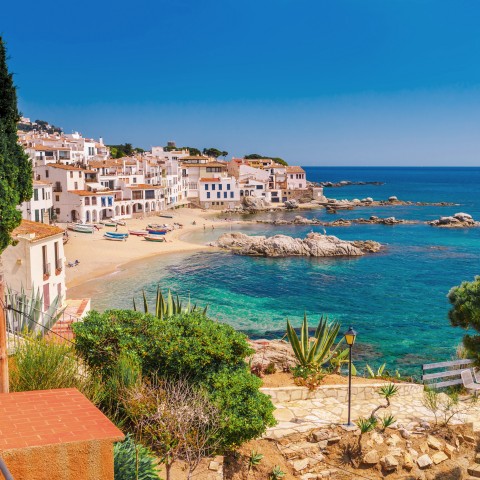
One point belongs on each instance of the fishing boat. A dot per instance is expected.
(81, 227)
(138, 233)
(108, 223)
(118, 238)
(157, 231)
(154, 238)
(119, 222)
(116, 234)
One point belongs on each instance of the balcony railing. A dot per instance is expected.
(59, 264)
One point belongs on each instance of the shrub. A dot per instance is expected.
(44, 364)
(133, 461)
(190, 346)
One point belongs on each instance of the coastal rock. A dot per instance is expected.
(459, 220)
(277, 352)
(393, 198)
(254, 204)
(291, 204)
(314, 245)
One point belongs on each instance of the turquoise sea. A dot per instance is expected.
(396, 299)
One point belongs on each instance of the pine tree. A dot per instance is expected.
(15, 166)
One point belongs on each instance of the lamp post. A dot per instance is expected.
(350, 339)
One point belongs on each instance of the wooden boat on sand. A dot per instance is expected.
(138, 233)
(154, 238)
(81, 227)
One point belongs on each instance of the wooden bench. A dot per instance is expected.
(451, 371)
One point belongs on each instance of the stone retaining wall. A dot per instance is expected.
(340, 392)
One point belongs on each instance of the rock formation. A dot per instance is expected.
(459, 220)
(314, 245)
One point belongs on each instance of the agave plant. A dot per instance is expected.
(316, 351)
(26, 314)
(339, 359)
(133, 461)
(378, 373)
(166, 307)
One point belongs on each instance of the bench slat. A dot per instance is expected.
(430, 366)
(449, 383)
(448, 373)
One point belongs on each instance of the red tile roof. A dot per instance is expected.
(210, 180)
(49, 417)
(41, 230)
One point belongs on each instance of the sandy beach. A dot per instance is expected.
(98, 257)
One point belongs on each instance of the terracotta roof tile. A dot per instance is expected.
(49, 417)
(41, 230)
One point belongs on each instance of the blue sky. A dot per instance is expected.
(337, 82)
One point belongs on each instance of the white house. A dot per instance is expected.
(40, 207)
(296, 179)
(36, 261)
(219, 193)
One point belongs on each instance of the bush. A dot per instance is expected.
(43, 364)
(189, 346)
(133, 461)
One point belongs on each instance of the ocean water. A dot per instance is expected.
(396, 299)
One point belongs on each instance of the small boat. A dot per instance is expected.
(165, 216)
(108, 223)
(81, 227)
(119, 222)
(117, 238)
(157, 231)
(116, 234)
(138, 233)
(154, 238)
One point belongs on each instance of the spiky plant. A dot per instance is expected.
(378, 373)
(133, 461)
(254, 460)
(26, 314)
(339, 359)
(316, 351)
(387, 392)
(366, 424)
(169, 306)
(387, 420)
(277, 473)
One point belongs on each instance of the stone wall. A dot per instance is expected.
(340, 392)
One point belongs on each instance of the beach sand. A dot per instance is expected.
(99, 257)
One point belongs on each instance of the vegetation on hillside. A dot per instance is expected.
(41, 125)
(256, 156)
(124, 150)
(15, 166)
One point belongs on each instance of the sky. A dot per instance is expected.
(317, 82)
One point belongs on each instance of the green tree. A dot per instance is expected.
(213, 152)
(256, 156)
(15, 166)
(465, 313)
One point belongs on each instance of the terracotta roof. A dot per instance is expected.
(87, 193)
(210, 180)
(41, 230)
(50, 417)
(63, 167)
(295, 169)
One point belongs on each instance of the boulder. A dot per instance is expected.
(314, 245)
(291, 204)
(439, 457)
(393, 198)
(371, 457)
(278, 352)
(424, 461)
(389, 462)
(434, 443)
(299, 465)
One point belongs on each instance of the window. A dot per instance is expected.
(57, 211)
(206, 186)
(231, 194)
(45, 260)
(57, 256)
(43, 194)
(228, 186)
(225, 194)
(218, 194)
(208, 194)
(46, 173)
(57, 198)
(37, 215)
(35, 194)
(134, 179)
(259, 187)
(94, 200)
(220, 187)
(87, 200)
(75, 185)
(71, 174)
(213, 187)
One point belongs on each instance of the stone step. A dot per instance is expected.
(474, 470)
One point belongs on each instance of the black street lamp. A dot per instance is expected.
(350, 339)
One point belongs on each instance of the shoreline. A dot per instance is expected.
(110, 257)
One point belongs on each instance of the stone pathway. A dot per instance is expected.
(297, 414)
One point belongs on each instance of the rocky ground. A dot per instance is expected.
(314, 245)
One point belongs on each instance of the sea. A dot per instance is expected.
(396, 299)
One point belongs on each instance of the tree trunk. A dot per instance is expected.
(168, 467)
(4, 384)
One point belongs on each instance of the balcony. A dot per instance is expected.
(46, 271)
(58, 265)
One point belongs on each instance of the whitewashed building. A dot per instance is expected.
(219, 193)
(40, 207)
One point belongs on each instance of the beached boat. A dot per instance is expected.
(165, 216)
(138, 233)
(108, 223)
(119, 222)
(116, 234)
(154, 238)
(81, 227)
(157, 231)
(118, 238)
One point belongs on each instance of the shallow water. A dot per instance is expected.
(396, 299)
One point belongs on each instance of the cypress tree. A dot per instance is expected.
(15, 166)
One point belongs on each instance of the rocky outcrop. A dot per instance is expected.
(314, 245)
(344, 204)
(276, 352)
(341, 222)
(343, 183)
(459, 220)
(291, 204)
(255, 204)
